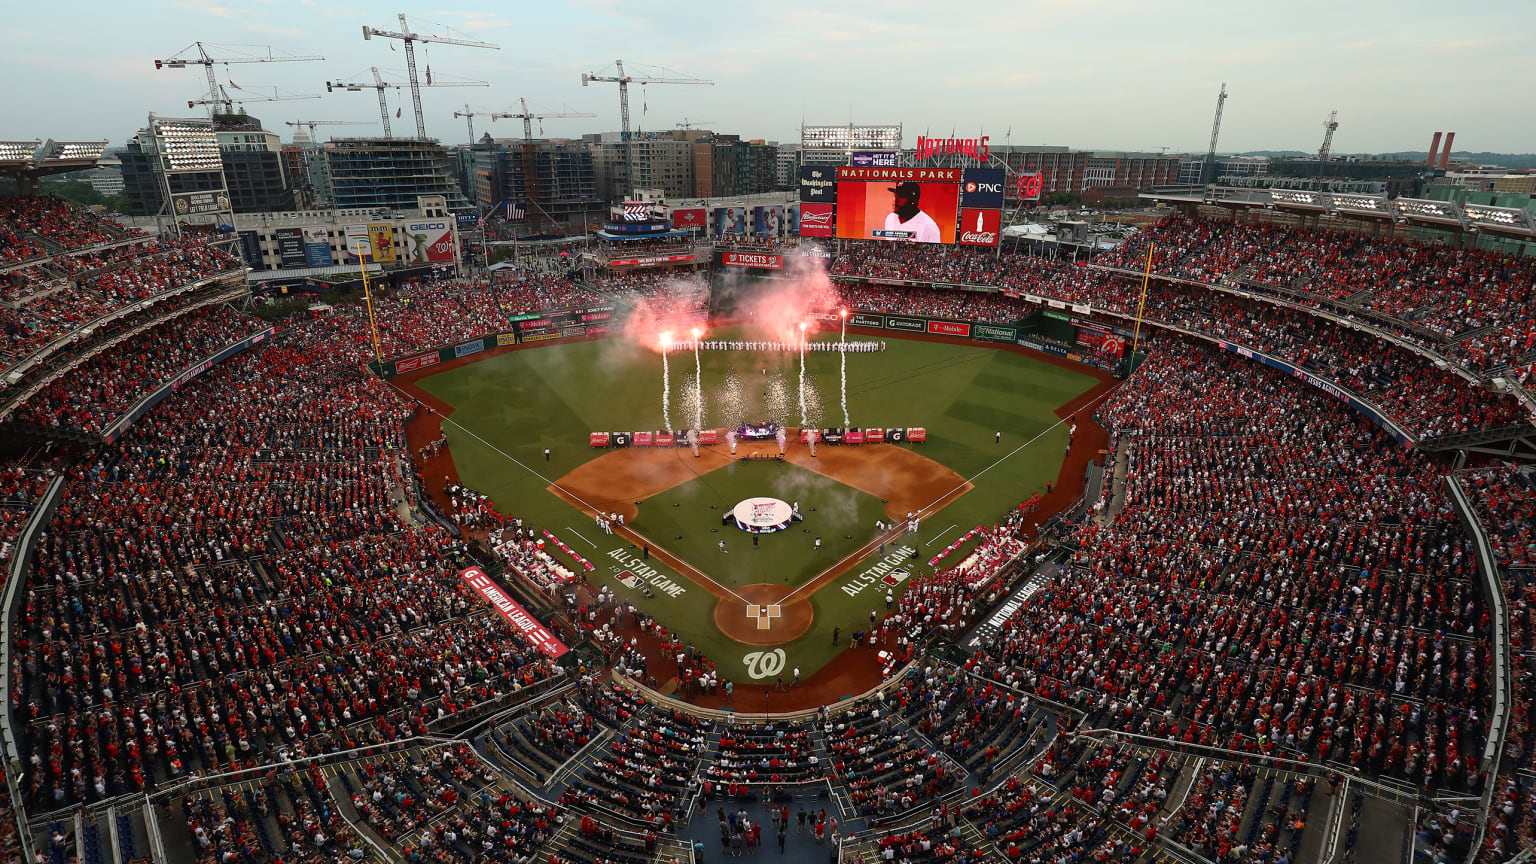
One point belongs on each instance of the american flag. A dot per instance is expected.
(515, 212)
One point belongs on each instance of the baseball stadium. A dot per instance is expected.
(894, 520)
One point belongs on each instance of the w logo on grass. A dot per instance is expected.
(764, 664)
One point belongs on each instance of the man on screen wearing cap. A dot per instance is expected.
(906, 216)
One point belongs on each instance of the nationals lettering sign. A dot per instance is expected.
(979, 227)
(755, 260)
(816, 220)
(973, 148)
(514, 613)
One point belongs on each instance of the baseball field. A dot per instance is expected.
(736, 599)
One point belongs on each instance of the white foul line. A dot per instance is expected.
(935, 538)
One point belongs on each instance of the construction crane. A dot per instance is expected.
(229, 102)
(1329, 125)
(1208, 173)
(469, 119)
(528, 117)
(624, 81)
(531, 176)
(695, 124)
(197, 54)
(381, 85)
(410, 38)
(311, 124)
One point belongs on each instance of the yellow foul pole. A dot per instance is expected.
(1141, 306)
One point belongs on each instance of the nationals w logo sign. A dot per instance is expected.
(764, 664)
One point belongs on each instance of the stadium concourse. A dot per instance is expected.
(236, 629)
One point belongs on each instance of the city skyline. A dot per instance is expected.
(1113, 75)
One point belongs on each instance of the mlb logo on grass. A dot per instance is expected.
(895, 577)
(629, 579)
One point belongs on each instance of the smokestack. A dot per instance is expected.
(1434, 148)
(1445, 155)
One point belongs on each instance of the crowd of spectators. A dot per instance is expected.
(40, 303)
(659, 293)
(92, 396)
(29, 225)
(1446, 290)
(232, 582)
(1257, 507)
(1429, 401)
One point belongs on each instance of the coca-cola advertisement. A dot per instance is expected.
(816, 220)
(979, 227)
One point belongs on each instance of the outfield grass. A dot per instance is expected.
(516, 404)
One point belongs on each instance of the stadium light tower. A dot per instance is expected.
(410, 38)
(197, 54)
(624, 81)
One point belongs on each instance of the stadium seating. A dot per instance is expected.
(237, 582)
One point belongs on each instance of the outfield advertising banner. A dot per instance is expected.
(910, 325)
(290, 247)
(859, 319)
(250, 250)
(355, 239)
(816, 220)
(994, 333)
(506, 339)
(949, 328)
(469, 348)
(757, 260)
(381, 237)
(982, 188)
(980, 227)
(688, 218)
(513, 612)
(420, 361)
(317, 246)
(652, 261)
(818, 183)
(427, 241)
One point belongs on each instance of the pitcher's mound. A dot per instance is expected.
(762, 619)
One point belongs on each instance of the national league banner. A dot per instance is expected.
(513, 612)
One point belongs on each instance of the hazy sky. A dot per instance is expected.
(1108, 74)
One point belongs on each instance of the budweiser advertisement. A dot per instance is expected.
(513, 612)
(979, 227)
(757, 260)
(816, 220)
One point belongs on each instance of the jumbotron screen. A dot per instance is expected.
(899, 210)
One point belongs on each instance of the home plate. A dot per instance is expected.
(764, 614)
